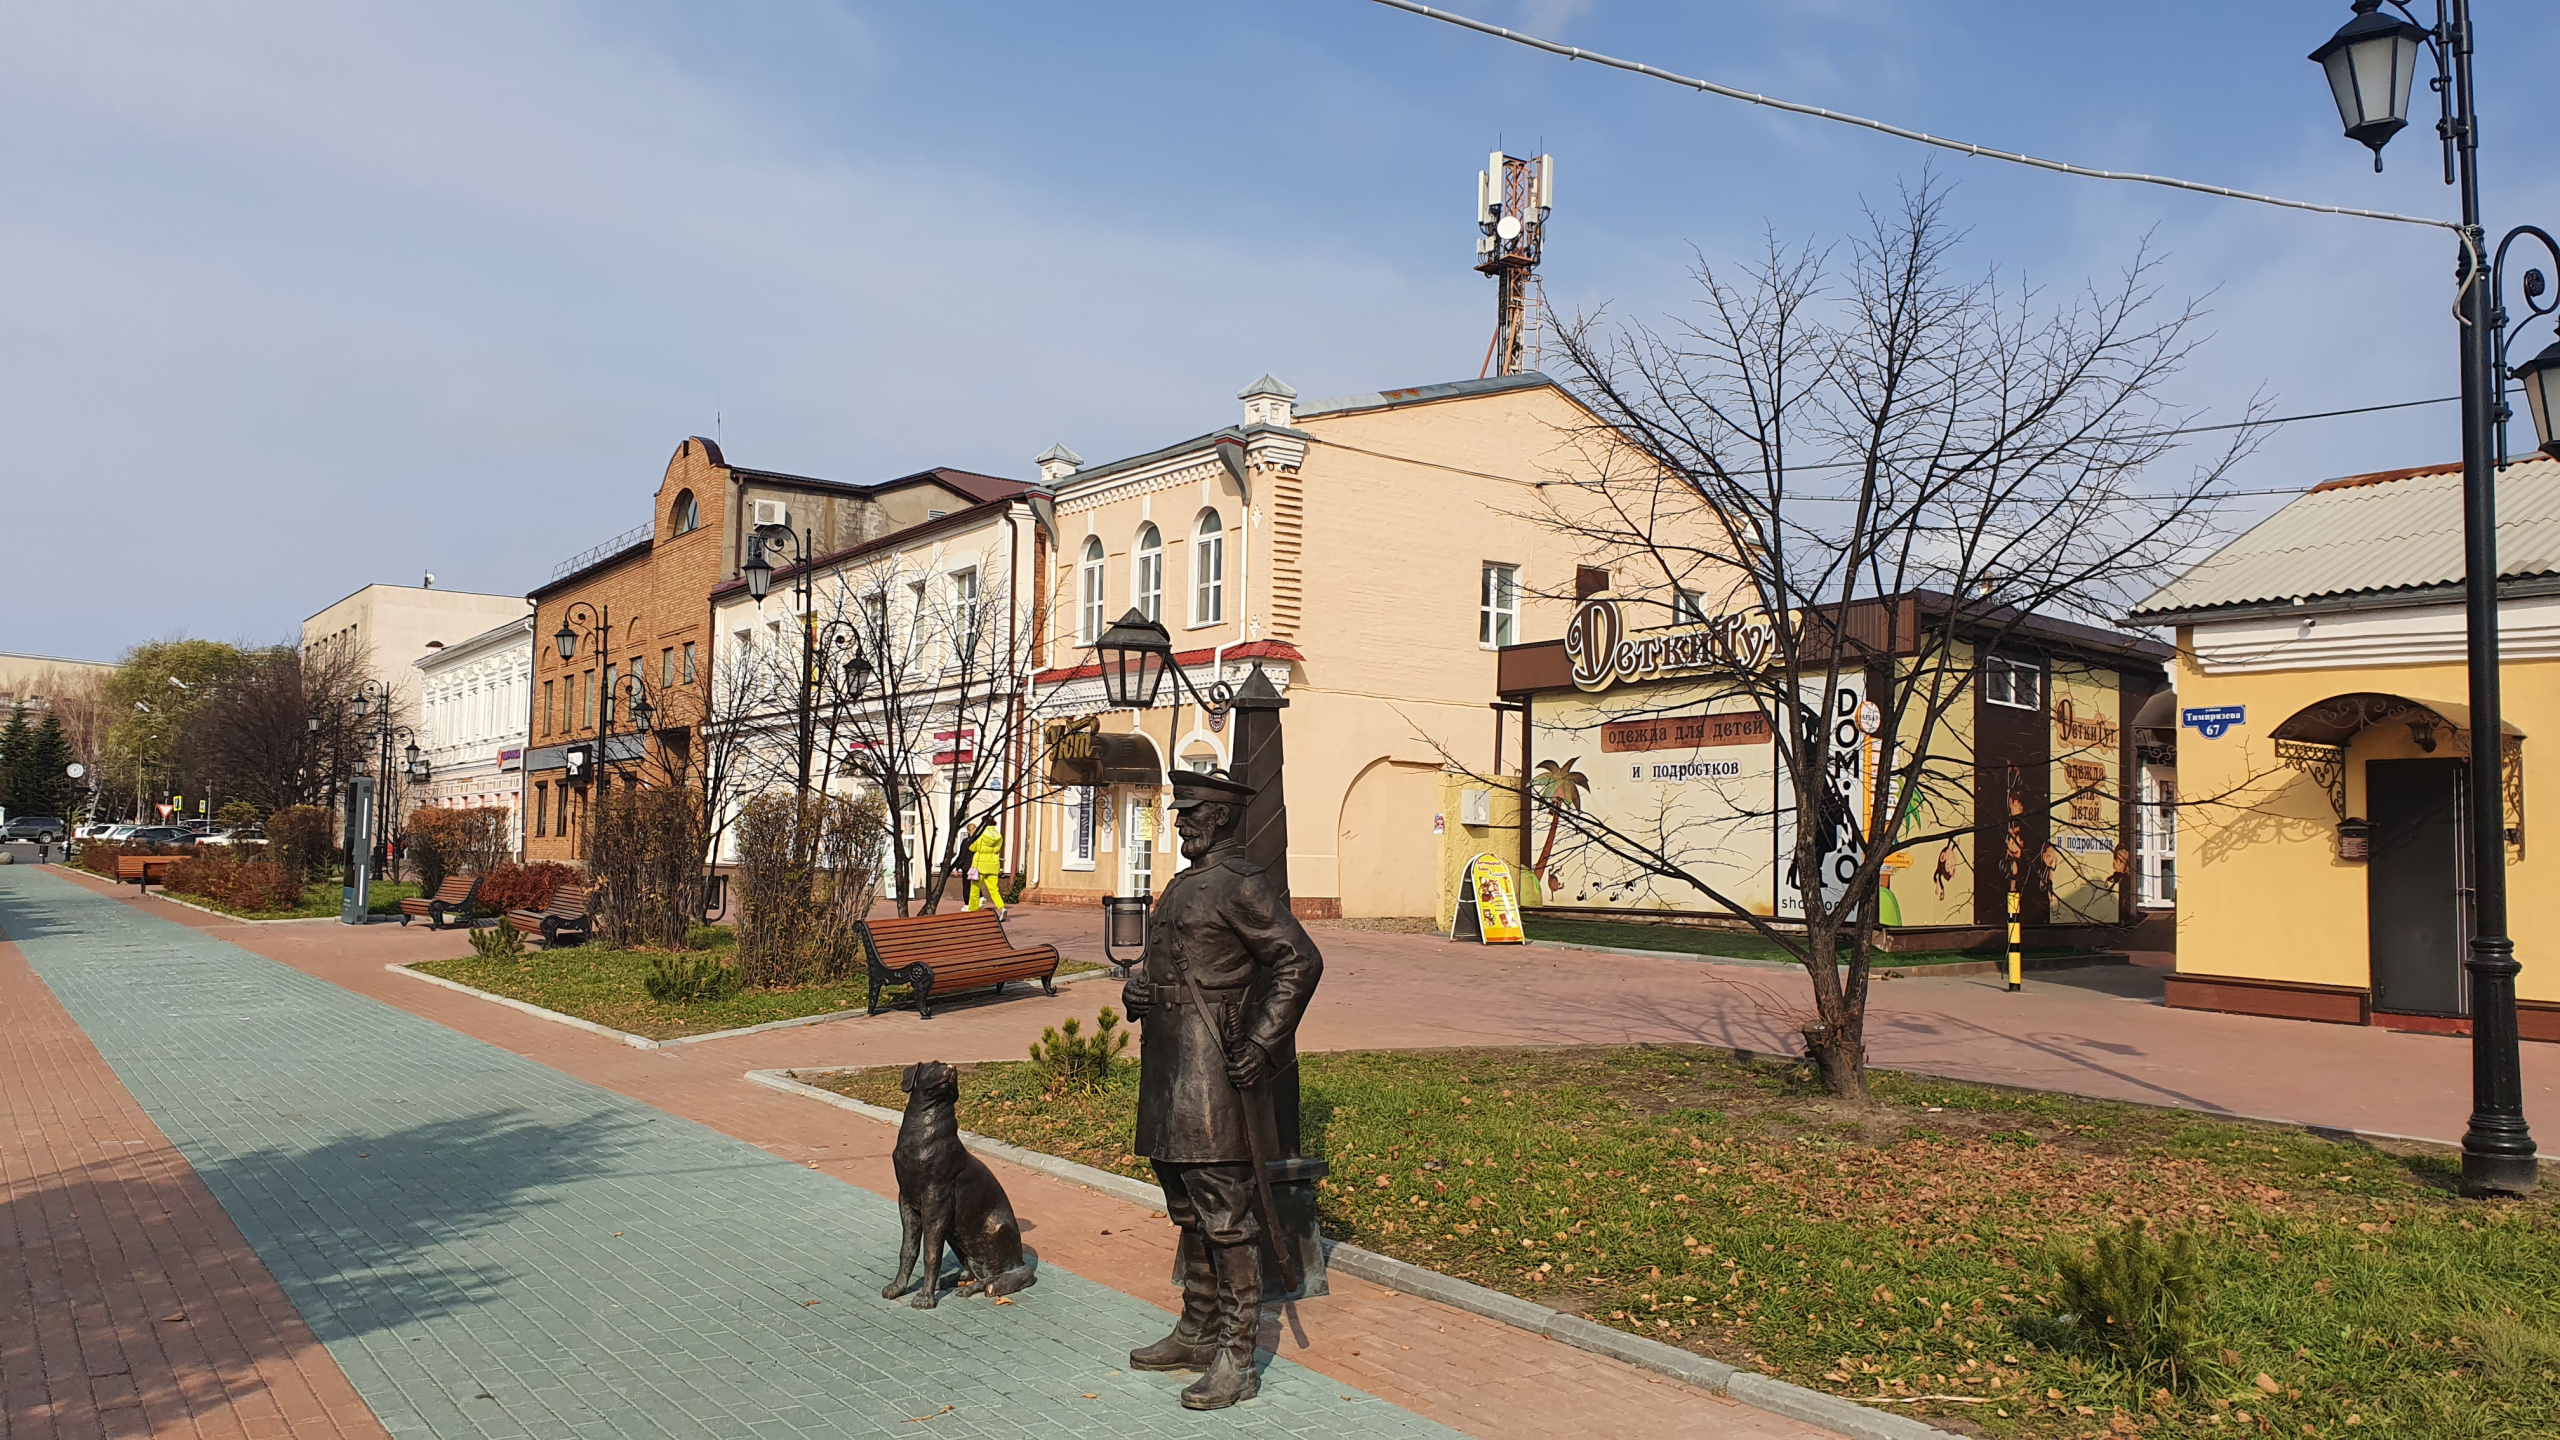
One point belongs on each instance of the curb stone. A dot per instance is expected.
(1814, 1407)
(639, 1042)
(1949, 970)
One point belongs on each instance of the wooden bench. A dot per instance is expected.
(454, 897)
(142, 869)
(565, 918)
(940, 955)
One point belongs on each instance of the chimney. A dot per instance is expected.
(1268, 402)
(1057, 463)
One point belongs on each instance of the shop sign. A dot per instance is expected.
(1603, 654)
(579, 759)
(1488, 905)
(1686, 732)
(2212, 720)
(1080, 754)
(2072, 730)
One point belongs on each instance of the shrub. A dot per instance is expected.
(98, 857)
(676, 976)
(1075, 1063)
(305, 838)
(236, 883)
(644, 860)
(240, 814)
(523, 887)
(2138, 1300)
(443, 843)
(776, 869)
(498, 942)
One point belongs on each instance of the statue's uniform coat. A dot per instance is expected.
(1230, 929)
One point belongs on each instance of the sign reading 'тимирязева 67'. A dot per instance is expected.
(1603, 653)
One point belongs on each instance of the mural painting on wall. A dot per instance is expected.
(2085, 862)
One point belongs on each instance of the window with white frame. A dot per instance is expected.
(1498, 606)
(1146, 576)
(1089, 601)
(1079, 837)
(1208, 570)
(1688, 607)
(964, 612)
(2017, 683)
(2156, 836)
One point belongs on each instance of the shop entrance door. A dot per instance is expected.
(2417, 893)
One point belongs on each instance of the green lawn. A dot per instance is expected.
(321, 898)
(1742, 945)
(608, 987)
(1902, 1250)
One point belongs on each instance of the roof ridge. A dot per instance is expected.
(2383, 477)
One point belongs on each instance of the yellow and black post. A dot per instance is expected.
(2017, 963)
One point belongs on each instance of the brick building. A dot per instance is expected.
(639, 608)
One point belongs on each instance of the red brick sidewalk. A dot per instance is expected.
(1474, 1375)
(129, 1304)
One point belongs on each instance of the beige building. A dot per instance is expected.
(1372, 553)
(35, 681)
(392, 625)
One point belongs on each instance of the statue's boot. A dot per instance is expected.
(1194, 1337)
(1231, 1376)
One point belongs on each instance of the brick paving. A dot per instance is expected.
(129, 1303)
(467, 1235)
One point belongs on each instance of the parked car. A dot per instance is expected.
(247, 835)
(121, 830)
(161, 835)
(95, 830)
(42, 829)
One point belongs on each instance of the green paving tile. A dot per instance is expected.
(443, 1214)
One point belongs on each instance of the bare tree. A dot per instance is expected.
(1831, 434)
(250, 737)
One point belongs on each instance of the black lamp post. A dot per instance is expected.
(798, 547)
(368, 696)
(1136, 653)
(2371, 63)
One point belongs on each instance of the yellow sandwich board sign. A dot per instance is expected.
(1488, 904)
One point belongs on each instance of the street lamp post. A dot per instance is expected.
(834, 635)
(2371, 63)
(413, 765)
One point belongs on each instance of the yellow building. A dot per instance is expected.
(1372, 554)
(1657, 745)
(2320, 670)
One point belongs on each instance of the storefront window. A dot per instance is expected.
(2156, 836)
(1141, 846)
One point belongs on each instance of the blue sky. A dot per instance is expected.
(305, 297)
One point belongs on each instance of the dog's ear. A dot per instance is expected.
(907, 1081)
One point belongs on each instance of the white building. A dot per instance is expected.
(475, 697)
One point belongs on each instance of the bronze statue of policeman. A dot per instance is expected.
(1228, 972)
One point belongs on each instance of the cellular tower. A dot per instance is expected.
(1513, 198)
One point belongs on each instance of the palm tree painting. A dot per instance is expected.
(1560, 787)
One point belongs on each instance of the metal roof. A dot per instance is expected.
(2380, 534)
(1420, 394)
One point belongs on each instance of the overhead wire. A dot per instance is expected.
(1961, 147)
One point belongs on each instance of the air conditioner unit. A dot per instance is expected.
(1475, 807)
(772, 512)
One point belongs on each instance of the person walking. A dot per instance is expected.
(986, 861)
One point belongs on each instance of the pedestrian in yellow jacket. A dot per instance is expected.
(986, 858)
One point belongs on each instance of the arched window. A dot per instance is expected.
(1089, 592)
(1146, 583)
(685, 517)
(1208, 570)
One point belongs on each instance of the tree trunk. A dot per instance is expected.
(1833, 1040)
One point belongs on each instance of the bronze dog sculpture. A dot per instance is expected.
(948, 1196)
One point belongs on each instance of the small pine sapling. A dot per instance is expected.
(2139, 1300)
(1075, 1062)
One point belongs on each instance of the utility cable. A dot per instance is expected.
(1961, 147)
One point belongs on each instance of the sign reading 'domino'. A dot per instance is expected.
(1603, 654)
(1686, 732)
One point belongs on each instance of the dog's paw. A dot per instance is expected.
(925, 1301)
(892, 1292)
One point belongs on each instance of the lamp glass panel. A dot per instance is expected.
(2542, 396)
(1150, 676)
(2384, 68)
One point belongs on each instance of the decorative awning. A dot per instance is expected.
(2314, 739)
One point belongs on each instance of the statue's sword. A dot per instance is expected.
(1258, 1124)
